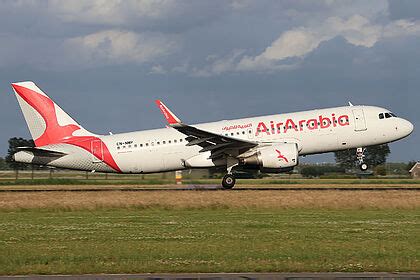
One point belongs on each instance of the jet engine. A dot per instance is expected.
(275, 158)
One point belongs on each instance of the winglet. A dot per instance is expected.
(169, 116)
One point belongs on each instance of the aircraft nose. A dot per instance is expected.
(406, 127)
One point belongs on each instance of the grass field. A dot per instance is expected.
(208, 240)
(209, 231)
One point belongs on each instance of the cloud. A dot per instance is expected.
(88, 34)
(158, 69)
(119, 47)
(162, 15)
(293, 45)
(108, 47)
(404, 9)
(110, 12)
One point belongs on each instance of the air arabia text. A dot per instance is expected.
(310, 124)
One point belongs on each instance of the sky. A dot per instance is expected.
(105, 62)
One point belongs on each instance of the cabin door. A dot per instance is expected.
(359, 120)
(97, 151)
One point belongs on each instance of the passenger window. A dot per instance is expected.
(180, 140)
(169, 141)
(118, 147)
(158, 143)
(135, 145)
(141, 145)
(147, 144)
(381, 116)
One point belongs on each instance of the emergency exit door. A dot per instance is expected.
(359, 120)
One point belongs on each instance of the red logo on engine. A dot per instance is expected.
(280, 156)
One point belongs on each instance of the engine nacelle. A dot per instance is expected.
(275, 158)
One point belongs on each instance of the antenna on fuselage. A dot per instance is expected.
(350, 104)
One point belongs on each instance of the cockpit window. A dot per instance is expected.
(386, 115)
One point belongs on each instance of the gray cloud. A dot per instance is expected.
(404, 9)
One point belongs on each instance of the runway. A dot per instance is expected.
(202, 188)
(230, 276)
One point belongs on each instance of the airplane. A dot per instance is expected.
(270, 144)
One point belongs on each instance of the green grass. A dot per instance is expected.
(41, 241)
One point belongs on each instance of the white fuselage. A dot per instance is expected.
(315, 131)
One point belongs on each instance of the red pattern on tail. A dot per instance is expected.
(54, 133)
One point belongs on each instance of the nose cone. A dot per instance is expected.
(405, 127)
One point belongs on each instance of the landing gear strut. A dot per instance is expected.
(361, 159)
(228, 181)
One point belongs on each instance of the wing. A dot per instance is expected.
(219, 145)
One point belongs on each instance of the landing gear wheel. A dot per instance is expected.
(228, 181)
(363, 166)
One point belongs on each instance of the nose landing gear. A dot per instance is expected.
(361, 158)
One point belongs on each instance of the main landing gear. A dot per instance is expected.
(228, 181)
(361, 158)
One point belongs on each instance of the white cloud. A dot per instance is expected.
(298, 42)
(158, 69)
(113, 12)
(119, 46)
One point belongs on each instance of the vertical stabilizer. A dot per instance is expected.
(47, 122)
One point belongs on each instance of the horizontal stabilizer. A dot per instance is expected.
(41, 152)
